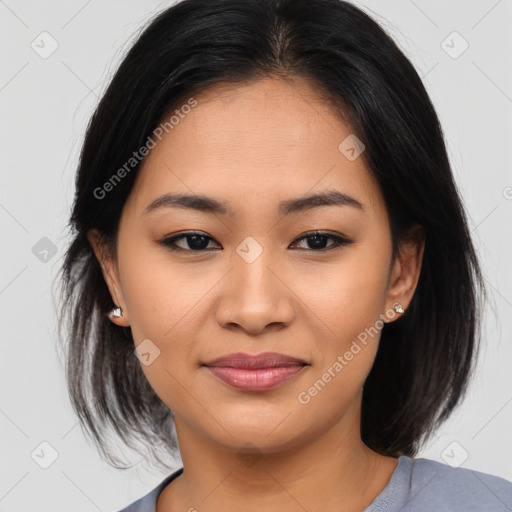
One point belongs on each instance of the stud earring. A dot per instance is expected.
(398, 308)
(116, 312)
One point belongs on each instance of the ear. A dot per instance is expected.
(405, 271)
(110, 274)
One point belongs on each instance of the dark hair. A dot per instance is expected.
(425, 358)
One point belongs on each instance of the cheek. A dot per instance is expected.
(350, 304)
(168, 303)
(349, 298)
(161, 296)
(164, 301)
(348, 295)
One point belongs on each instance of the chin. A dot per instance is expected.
(259, 436)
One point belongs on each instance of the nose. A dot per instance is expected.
(256, 297)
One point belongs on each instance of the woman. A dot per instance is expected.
(271, 266)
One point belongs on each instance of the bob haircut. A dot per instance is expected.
(425, 358)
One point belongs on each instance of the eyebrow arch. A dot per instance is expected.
(288, 207)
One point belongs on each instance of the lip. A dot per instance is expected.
(257, 361)
(255, 372)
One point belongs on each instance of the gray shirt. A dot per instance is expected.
(416, 485)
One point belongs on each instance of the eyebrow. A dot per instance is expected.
(288, 207)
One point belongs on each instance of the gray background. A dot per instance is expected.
(44, 106)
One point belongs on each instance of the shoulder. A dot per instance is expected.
(436, 486)
(147, 503)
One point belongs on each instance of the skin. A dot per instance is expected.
(254, 146)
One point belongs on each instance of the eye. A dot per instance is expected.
(196, 242)
(318, 239)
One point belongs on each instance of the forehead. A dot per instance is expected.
(264, 140)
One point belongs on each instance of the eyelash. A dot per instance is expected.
(170, 243)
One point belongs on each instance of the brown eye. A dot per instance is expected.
(194, 242)
(317, 241)
(198, 242)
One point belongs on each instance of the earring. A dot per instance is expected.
(116, 312)
(398, 308)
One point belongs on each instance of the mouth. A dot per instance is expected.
(255, 372)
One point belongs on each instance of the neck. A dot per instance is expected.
(333, 470)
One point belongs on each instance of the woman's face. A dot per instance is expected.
(255, 282)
